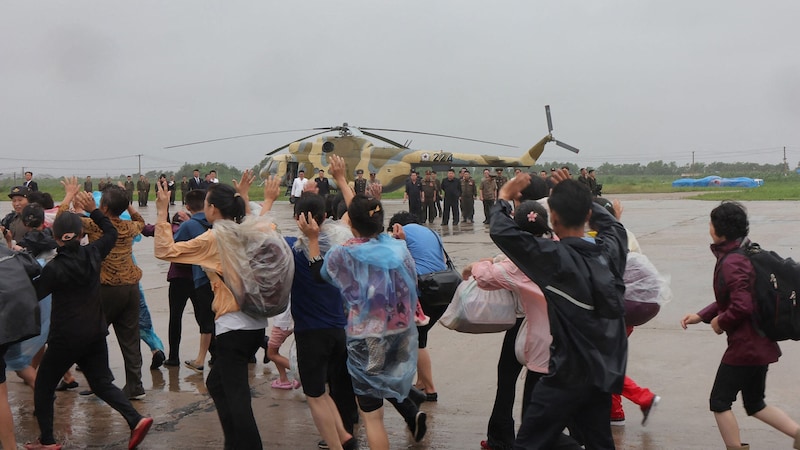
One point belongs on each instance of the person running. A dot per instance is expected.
(380, 297)
(78, 328)
(238, 334)
(748, 356)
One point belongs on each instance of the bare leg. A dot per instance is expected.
(68, 377)
(205, 342)
(28, 375)
(37, 358)
(728, 428)
(328, 422)
(281, 362)
(376, 432)
(778, 419)
(425, 372)
(7, 437)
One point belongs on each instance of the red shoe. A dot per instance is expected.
(138, 433)
(485, 445)
(39, 446)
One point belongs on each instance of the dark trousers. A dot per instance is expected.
(228, 385)
(468, 208)
(142, 198)
(181, 290)
(121, 308)
(428, 211)
(500, 432)
(93, 361)
(585, 408)
(487, 210)
(450, 205)
(415, 207)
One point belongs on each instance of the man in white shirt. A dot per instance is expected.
(298, 185)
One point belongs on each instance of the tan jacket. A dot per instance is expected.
(201, 251)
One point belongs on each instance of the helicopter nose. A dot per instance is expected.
(270, 168)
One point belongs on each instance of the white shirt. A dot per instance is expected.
(298, 185)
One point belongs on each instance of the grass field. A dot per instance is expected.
(774, 188)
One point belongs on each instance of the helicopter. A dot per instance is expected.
(391, 165)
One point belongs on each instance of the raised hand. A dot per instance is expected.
(162, 201)
(71, 188)
(512, 188)
(338, 166)
(308, 225)
(243, 186)
(85, 201)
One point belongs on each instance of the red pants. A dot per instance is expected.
(632, 391)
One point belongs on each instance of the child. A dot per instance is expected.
(282, 327)
(77, 327)
(748, 356)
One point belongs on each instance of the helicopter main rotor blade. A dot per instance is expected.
(566, 146)
(549, 119)
(244, 136)
(388, 141)
(324, 130)
(436, 134)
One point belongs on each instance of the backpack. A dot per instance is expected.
(776, 313)
(257, 265)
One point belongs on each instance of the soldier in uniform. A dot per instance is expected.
(360, 184)
(102, 184)
(129, 189)
(374, 187)
(429, 196)
(87, 185)
(141, 189)
(184, 189)
(438, 183)
(468, 194)
(500, 179)
(488, 194)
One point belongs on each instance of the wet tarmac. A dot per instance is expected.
(678, 365)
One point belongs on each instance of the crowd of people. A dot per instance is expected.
(360, 322)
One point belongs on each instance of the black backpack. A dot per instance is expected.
(776, 313)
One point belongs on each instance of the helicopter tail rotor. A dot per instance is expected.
(550, 131)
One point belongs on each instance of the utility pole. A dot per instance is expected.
(785, 163)
(140, 163)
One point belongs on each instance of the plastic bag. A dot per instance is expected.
(257, 265)
(646, 290)
(383, 367)
(475, 310)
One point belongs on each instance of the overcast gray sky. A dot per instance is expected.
(85, 86)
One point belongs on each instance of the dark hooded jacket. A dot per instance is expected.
(73, 277)
(582, 283)
(37, 242)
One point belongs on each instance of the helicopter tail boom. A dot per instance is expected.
(529, 158)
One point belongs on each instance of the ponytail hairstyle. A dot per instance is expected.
(532, 217)
(229, 203)
(366, 215)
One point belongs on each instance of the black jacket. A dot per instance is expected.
(451, 188)
(19, 308)
(582, 283)
(73, 277)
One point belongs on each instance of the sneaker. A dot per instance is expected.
(138, 433)
(618, 421)
(649, 409)
(39, 446)
(432, 397)
(86, 392)
(158, 360)
(420, 426)
(323, 445)
(139, 396)
(351, 444)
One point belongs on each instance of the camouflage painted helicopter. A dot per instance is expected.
(390, 164)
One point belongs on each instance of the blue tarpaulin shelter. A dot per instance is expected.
(715, 181)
